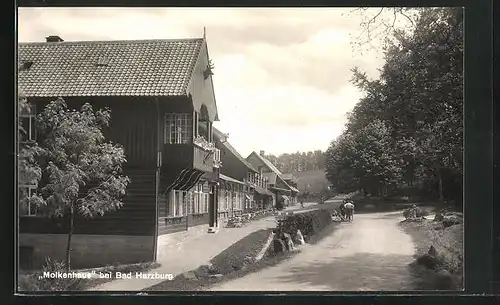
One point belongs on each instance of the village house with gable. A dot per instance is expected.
(285, 194)
(242, 189)
(163, 106)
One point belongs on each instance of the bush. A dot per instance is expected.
(309, 223)
(36, 282)
(415, 212)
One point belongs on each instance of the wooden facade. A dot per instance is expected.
(162, 161)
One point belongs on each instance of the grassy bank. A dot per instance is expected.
(447, 274)
(238, 260)
(235, 261)
(33, 281)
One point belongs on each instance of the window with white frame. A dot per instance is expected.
(227, 198)
(242, 201)
(27, 118)
(205, 202)
(178, 128)
(175, 207)
(200, 200)
(26, 208)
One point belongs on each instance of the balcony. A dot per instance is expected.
(256, 179)
(201, 155)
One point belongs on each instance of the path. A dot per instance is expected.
(191, 254)
(369, 254)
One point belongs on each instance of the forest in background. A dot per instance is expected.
(299, 161)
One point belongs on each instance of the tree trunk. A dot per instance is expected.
(440, 184)
(70, 234)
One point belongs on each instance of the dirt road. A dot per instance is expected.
(369, 254)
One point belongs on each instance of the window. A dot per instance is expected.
(26, 207)
(234, 201)
(178, 128)
(27, 119)
(200, 200)
(176, 203)
(226, 200)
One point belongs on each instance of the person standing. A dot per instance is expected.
(349, 208)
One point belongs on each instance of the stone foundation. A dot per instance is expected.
(89, 251)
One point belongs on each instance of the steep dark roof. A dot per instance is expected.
(222, 139)
(274, 169)
(108, 68)
(266, 162)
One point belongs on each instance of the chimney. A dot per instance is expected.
(262, 153)
(53, 39)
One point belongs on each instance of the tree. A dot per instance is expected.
(81, 171)
(29, 172)
(417, 101)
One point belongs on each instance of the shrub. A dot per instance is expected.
(415, 212)
(36, 282)
(309, 223)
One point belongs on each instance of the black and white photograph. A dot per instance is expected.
(240, 149)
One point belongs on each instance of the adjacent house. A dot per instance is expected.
(292, 181)
(163, 106)
(285, 194)
(235, 197)
(238, 173)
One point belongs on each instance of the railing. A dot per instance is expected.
(256, 180)
(207, 153)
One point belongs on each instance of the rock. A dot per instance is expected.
(449, 221)
(288, 241)
(438, 217)
(218, 275)
(300, 238)
(432, 251)
(427, 261)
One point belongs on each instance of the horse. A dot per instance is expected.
(349, 211)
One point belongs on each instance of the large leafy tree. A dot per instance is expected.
(81, 172)
(29, 172)
(418, 97)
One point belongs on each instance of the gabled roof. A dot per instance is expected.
(275, 170)
(222, 139)
(268, 163)
(108, 68)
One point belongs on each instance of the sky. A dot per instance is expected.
(281, 76)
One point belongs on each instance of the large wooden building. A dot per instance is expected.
(163, 106)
